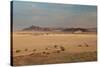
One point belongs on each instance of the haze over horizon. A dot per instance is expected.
(26, 14)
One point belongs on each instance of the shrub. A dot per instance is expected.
(26, 49)
(58, 51)
(44, 52)
(46, 48)
(79, 45)
(62, 48)
(86, 45)
(55, 46)
(34, 49)
(47, 53)
(17, 51)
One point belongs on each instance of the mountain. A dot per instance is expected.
(38, 28)
(92, 29)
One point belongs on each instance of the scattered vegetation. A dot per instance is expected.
(47, 53)
(85, 45)
(66, 57)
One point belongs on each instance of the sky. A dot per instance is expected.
(26, 14)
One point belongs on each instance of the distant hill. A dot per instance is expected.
(92, 29)
(38, 28)
(76, 29)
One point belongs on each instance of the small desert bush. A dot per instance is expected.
(55, 46)
(62, 48)
(47, 53)
(58, 51)
(46, 48)
(26, 49)
(34, 49)
(44, 52)
(86, 44)
(79, 45)
(17, 51)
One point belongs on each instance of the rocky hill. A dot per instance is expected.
(38, 28)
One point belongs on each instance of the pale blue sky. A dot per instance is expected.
(26, 14)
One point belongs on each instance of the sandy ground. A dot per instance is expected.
(40, 42)
(32, 44)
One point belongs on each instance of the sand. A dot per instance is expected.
(28, 43)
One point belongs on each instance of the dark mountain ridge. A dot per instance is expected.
(38, 28)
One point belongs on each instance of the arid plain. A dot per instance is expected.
(53, 47)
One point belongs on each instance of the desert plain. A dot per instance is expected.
(53, 47)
